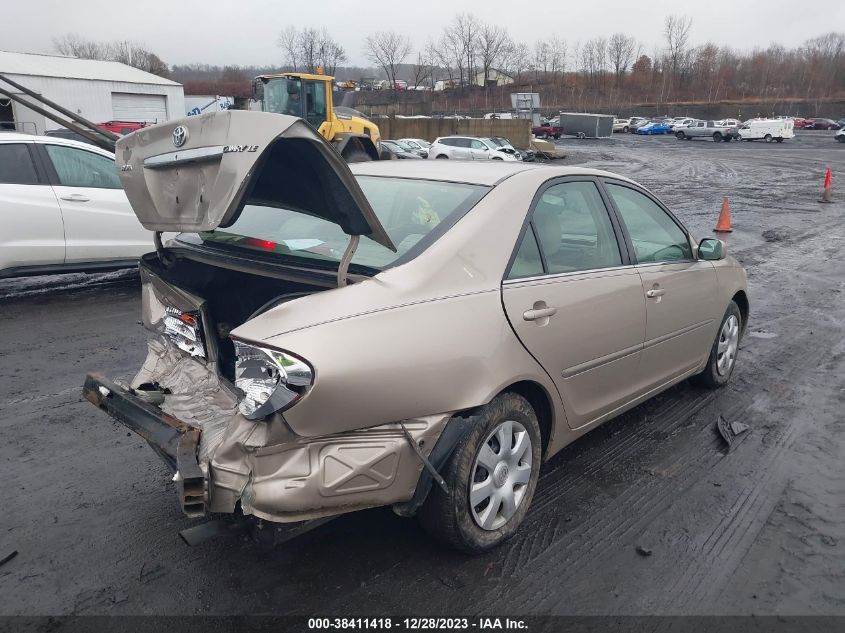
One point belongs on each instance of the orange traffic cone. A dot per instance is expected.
(724, 223)
(827, 187)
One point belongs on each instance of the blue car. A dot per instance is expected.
(656, 127)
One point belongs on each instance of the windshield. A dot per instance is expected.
(283, 96)
(413, 212)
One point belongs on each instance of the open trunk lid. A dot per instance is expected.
(197, 173)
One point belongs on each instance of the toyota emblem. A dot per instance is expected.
(180, 135)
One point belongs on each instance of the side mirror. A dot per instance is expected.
(712, 249)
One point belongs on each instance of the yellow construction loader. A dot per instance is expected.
(310, 97)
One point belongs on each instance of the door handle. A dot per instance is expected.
(655, 292)
(538, 313)
(75, 197)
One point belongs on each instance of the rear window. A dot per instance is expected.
(16, 167)
(413, 212)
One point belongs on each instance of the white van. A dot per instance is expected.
(767, 129)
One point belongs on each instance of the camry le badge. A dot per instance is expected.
(180, 135)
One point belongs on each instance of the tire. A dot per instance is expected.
(768, 138)
(717, 137)
(727, 139)
(450, 517)
(715, 373)
(680, 136)
(557, 136)
(841, 139)
(625, 129)
(779, 140)
(439, 156)
(497, 158)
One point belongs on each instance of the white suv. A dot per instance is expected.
(467, 148)
(62, 209)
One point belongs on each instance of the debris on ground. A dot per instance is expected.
(731, 432)
(775, 235)
(643, 550)
(7, 558)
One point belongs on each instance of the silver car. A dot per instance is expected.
(416, 334)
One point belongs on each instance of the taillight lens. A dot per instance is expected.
(184, 329)
(271, 380)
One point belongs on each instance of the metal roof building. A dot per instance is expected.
(100, 91)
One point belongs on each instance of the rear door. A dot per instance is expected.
(575, 302)
(461, 148)
(99, 223)
(32, 231)
(681, 315)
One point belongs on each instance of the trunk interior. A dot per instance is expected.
(232, 297)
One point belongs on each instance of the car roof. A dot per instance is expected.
(488, 173)
(17, 137)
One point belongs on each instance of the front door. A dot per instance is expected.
(681, 317)
(575, 304)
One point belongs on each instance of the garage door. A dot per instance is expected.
(136, 107)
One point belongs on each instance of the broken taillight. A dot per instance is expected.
(184, 329)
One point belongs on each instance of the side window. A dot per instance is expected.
(16, 167)
(478, 144)
(655, 235)
(527, 262)
(574, 229)
(462, 142)
(78, 168)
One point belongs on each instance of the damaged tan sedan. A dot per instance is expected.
(422, 335)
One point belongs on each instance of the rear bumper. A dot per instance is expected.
(175, 441)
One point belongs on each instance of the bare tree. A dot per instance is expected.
(517, 60)
(464, 33)
(676, 30)
(493, 43)
(556, 51)
(125, 52)
(388, 49)
(620, 52)
(289, 43)
(421, 69)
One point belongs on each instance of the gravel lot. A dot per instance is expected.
(760, 530)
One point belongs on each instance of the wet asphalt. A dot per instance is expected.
(649, 514)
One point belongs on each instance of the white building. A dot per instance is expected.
(97, 90)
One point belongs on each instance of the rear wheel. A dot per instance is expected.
(768, 138)
(442, 156)
(727, 139)
(717, 137)
(722, 358)
(779, 140)
(680, 136)
(625, 129)
(491, 478)
(841, 138)
(557, 136)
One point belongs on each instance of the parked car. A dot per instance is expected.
(799, 122)
(470, 347)
(621, 125)
(400, 149)
(547, 130)
(678, 124)
(821, 124)
(466, 148)
(68, 134)
(637, 122)
(63, 209)
(705, 129)
(655, 127)
(420, 145)
(122, 127)
(504, 145)
(840, 136)
(764, 129)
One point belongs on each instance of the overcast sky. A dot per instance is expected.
(245, 32)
